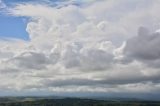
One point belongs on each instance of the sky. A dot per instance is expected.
(80, 48)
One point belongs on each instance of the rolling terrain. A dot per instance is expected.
(56, 101)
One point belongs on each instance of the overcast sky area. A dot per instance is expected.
(80, 48)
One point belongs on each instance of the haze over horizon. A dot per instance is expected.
(80, 48)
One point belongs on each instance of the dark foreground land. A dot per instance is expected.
(72, 102)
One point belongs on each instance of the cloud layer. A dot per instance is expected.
(93, 48)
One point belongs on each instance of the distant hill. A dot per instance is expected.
(41, 101)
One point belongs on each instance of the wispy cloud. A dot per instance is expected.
(2, 5)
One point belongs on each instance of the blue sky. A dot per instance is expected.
(14, 27)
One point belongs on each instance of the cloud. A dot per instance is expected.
(87, 58)
(73, 48)
(144, 47)
(2, 4)
(117, 78)
(31, 60)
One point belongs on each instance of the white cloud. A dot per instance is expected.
(82, 47)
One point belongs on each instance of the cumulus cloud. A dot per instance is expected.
(144, 47)
(73, 48)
